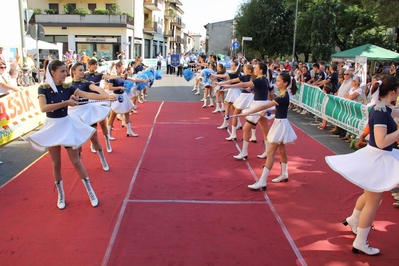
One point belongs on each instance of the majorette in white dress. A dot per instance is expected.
(371, 168)
(59, 128)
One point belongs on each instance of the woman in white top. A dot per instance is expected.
(355, 93)
(5, 86)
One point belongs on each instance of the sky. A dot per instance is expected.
(199, 13)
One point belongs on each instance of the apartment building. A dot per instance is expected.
(219, 37)
(137, 27)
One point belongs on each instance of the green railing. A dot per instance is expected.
(349, 115)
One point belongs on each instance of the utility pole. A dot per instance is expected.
(293, 45)
(22, 28)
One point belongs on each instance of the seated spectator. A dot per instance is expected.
(361, 142)
(346, 85)
(356, 91)
(354, 94)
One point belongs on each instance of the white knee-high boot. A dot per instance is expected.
(352, 220)
(222, 107)
(225, 124)
(233, 135)
(217, 109)
(283, 177)
(244, 151)
(198, 90)
(92, 149)
(362, 244)
(110, 137)
(261, 183)
(253, 135)
(102, 160)
(204, 105)
(107, 144)
(90, 192)
(130, 132)
(210, 102)
(61, 195)
(264, 154)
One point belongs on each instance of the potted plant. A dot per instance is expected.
(148, 23)
(50, 11)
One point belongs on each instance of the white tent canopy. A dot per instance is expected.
(30, 45)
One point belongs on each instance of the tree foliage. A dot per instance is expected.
(269, 24)
(385, 10)
(323, 26)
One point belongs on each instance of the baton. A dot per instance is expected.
(85, 100)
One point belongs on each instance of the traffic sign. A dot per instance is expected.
(37, 32)
(235, 45)
(247, 38)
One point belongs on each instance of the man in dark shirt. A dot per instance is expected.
(332, 78)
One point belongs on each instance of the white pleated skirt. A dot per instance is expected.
(281, 132)
(369, 168)
(68, 131)
(254, 118)
(133, 93)
(232, 95)
(243, 101)
(123, 107)
(91, 113)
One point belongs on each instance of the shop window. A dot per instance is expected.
(104, 50)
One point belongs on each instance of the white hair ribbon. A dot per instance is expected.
(375, 95)
(49, 78)
(290, 85)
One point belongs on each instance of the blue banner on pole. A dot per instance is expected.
(175, 60)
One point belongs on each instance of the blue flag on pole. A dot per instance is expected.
(175, 60)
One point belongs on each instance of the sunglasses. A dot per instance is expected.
(346, 74)
(3, 67)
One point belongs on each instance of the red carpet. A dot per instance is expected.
(189, 203)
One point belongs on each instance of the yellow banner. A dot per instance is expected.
(19, 114)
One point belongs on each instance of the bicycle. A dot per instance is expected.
(25, 77)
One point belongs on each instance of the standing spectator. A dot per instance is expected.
(168, 66)
(159, 61)
(180, 67)
(94, 56)
(84, 60)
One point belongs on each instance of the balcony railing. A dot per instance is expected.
(177, 22)
(151, 27)
(85, 20)
(151, 5)
(170, 33)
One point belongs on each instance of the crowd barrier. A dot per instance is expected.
(349, 115)
(19, 114)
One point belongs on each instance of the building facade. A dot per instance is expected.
(136, 28)
(219, 37)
